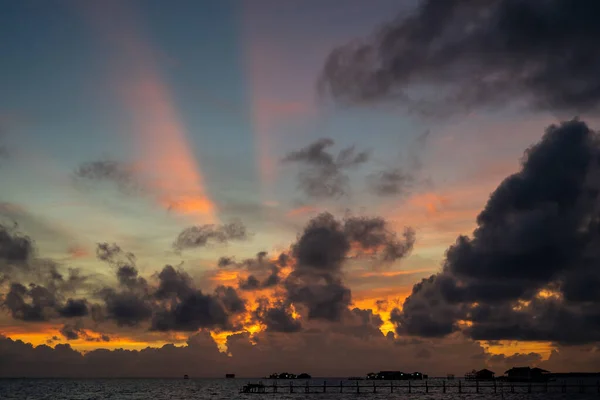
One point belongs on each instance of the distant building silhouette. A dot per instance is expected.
(527, 374)
(484, 375)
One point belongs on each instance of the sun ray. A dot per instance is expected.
(166, 160)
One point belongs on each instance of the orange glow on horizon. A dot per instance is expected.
(509, 348)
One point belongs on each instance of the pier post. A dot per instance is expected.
(564, 387)
(306, 390)
(546, 387)
(274, 386)
(529, 388)
(582, 387)
(494, 386)
(426, 387)
(512, 388)
(374, 387)
(341, 386)
(409, 387)
(324, 386)
(598, 386)
(357, 387)
(444, 387)
(476, 386)
(459, 387)
(291, 387)
(392, 387)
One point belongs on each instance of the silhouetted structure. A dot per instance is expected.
(304, 375)
(395, 376)
(253, 388)
(527, 374)
(229, 376)
(441, 386)
(186, 377)
(481, 375)
(284, 375)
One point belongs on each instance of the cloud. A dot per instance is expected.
(15, 251)
(73, 331)
(391, 182)
(117, 173)
(74, 308)
(324, 174)
(455, 55)
(202, 235)
(42, 300)
(315, 281)
(530, 269)
(320, 352)
(174, 304)
(264, 273)
(276, 317)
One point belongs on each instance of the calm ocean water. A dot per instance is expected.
(180, 389)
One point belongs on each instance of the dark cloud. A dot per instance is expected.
(202, 235)
(264, 273)
(113, 254)
(185, 308)
(117, 173)
(373, 234)
(45, 286)
(325, 174)
(195, 311)
(230, 299)
(454, 55)
(33, 304)
(73, 331)
(15, 251)
(74, 308)
(320, 252)
(225, 262)
(322, 352)
(276, 317)
(528, 271)
(250, 283)
(126, 308)
(391, 182)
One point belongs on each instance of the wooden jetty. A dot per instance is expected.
(441, 386)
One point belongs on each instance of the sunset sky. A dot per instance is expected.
(263, 184)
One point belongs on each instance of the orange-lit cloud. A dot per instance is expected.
(302, 211)
(509, 348)
(158, 131)
(78, 252)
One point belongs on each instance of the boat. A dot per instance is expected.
(229, 376)
(186, 377)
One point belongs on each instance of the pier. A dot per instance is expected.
(440, 386)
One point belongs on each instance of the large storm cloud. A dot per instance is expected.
(454, 55)
(530, 270)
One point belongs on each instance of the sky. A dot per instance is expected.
(206, 187)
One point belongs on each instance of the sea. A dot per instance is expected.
(186, 389)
